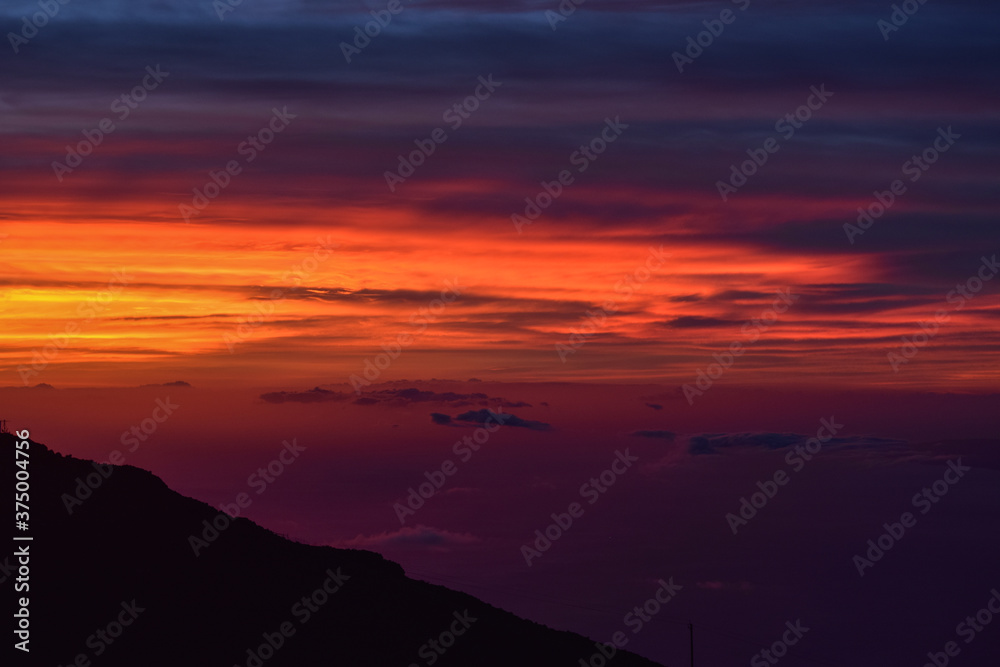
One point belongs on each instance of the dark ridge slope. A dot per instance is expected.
(129, 541)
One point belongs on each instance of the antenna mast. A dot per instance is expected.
(691, 631)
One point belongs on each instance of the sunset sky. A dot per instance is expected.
(191, 285)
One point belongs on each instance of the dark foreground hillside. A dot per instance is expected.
(117, 583)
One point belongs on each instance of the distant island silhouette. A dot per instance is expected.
(117, 583)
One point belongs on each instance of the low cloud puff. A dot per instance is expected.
(396, 397)
(484, 416)
(419, 536)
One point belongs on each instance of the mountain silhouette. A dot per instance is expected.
(117, 582)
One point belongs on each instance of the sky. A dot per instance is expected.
(192, 280)
(666, 516)
(692, 229)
